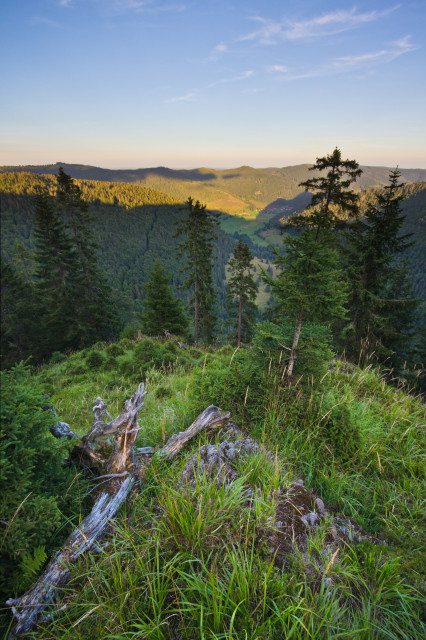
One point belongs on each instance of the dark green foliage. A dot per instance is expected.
(35, 494)
(55, 278)
(271, 348)
(57, 356)
(93, 310)
(310, 286)
(95, 359)
(111, 363)
(382, 305)
(161, 310)
(115, 350)
(332, 201)
(199, 231)
(250, 383)
(242, 290)
(310, 282)
(18, 306)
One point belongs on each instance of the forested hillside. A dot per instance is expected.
(241, 191)
(134, 226)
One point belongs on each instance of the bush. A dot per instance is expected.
(95, 359)
(115, 350)
(111, 363)
(57, 356)
(129, 333)
(34, 485)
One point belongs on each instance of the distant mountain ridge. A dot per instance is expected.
(238, 191)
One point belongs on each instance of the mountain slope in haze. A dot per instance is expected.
(240, 191)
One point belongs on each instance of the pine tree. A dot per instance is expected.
(382, 305)
(310, 287)
(199, 229)
(242, 291)
(332, 201)
(161, 310)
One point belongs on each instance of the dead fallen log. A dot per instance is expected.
(28, 607)
(211, 418)
(121, 471)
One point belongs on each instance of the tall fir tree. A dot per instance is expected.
(242, 291)
(382, 304)
(199, 231)
(311, 286)
(161, 309)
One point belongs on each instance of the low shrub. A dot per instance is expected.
(115, 350)
(35, 487)
(95, 359)
(57, 356)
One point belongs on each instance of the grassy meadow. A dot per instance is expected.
(201, 559)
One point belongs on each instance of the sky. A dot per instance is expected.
(213, 83)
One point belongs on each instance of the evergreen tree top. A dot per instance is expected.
(332, 200)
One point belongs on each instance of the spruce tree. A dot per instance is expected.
(311, 287)
(242, 291)
(382, 304)
(161, 310)
(199, 230)
(332, 201)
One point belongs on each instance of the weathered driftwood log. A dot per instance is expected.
(121, 474)
(211, 418)
(28, 607)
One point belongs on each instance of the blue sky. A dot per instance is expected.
(215, 83)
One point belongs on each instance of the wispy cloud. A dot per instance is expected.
(146, 6)
(242, 76)
(277, 68)
(347, 64)
(65, 3)
(272, 32)
(192, 96)
(218, 51)
(189, 97)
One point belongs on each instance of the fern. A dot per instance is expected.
(30, 565)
